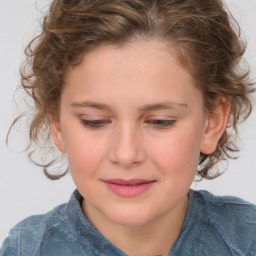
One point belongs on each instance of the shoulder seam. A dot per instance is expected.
(224, 240)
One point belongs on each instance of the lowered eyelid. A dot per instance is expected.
(161, 117)
(94, 117)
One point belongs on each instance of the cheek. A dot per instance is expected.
(177, 154)
(85, 153)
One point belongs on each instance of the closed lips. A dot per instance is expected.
(133, 182)
(128, 188)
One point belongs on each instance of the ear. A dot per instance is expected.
(56, 132)
(215, 125)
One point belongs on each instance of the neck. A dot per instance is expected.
(151, 239)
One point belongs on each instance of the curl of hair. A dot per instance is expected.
(201, 31)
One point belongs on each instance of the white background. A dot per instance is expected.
(24, 190)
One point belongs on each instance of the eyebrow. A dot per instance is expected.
(160, 106)
(144, 108)
(90, 104)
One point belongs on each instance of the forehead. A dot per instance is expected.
(140, 68)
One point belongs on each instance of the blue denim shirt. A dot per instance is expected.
(214, 226)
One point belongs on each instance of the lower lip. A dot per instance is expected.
(129, 191)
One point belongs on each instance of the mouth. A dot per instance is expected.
(128, 188)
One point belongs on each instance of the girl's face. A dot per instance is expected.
(132, 124)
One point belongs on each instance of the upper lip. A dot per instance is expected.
(129, 182)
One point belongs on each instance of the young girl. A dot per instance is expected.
(138, 95)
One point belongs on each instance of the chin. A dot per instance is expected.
(130, 218)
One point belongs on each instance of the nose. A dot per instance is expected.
(126, 147)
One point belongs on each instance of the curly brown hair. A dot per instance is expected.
(201, 31)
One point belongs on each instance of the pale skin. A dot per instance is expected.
(133, 112)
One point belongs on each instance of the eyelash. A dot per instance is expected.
(160, 124)
(94, 123)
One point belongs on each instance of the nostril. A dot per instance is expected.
(136, 163)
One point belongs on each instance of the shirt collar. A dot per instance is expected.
(86, 235)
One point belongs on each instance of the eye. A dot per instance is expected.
(161, 123)
(94, 123)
